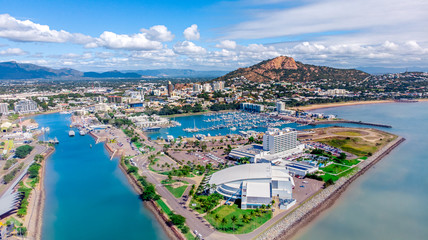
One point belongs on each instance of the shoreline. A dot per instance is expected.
(302, 216)
(345, 104)
(35, 229)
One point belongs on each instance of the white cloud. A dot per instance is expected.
(12, 52)
(129, 42)
(192, 33)
(158, 33)
(27, 31)
(188, 48)
(226, 44)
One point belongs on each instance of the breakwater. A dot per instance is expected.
(291, 223)
(352, 122)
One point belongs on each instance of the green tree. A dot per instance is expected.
(234, 219)
(177, 220)
(23, 151)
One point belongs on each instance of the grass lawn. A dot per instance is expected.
(239, 227)
(164, 207)
(334, 168)
(351, 162)
(328, 176)
(178, 191)
(189, 236)
(348, 133)
(352, 145)
(167, 181)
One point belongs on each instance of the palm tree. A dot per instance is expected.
(245, 218)
(223, 222)
(234, 219)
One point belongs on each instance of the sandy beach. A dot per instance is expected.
(344, 104)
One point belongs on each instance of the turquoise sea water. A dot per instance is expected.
(87, 196)
(391, 200)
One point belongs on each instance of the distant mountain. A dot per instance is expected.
(111, 74)
(14, 70)
(284, 68)
(384, 70)
(178, 73)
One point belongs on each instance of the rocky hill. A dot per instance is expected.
(284, 68)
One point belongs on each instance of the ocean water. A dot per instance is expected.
(87, 195)
(390, 201)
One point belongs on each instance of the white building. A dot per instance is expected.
(254, 184)
(280, 106)
(197, 87)
(252, 107)
(207, 87)
(217, 86)
(26, 106)
(4, 108)
(276, 141)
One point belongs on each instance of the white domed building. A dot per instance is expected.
(255, 184)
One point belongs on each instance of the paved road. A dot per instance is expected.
(38, 149)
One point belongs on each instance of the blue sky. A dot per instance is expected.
(213, 35)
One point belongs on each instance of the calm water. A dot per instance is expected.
(87, 196)
(391, 200)
(191, 121)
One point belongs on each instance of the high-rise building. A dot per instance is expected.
(280, 106)
(276, 140)
(252, 107)
(197, 87)
(207, 87)
(26, 106)
(218, 86)
(170, 88)
(4, 108)
(114, 99)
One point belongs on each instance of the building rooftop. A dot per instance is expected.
(241, 173)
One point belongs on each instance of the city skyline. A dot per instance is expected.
(213, 35)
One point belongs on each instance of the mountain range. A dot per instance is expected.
(14, 70)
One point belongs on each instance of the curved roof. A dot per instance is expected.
(241, 173)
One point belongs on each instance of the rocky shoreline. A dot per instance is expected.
(288, 226)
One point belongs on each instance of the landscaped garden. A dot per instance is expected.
(231, 219)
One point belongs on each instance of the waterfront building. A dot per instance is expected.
(276, 140)
(300, 169)
(252, 107)
(255, 184)
(4, 108)
(26, 106)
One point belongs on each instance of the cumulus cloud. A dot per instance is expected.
(188, 48)
(158, 33)
(12, 52)
(28, 31)
(122, 41)
(226, 44)
(192, 33)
